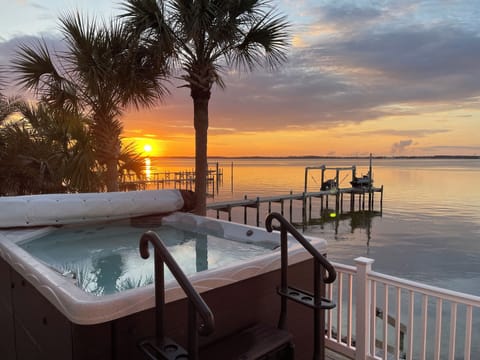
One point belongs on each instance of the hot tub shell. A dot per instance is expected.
(46, 316)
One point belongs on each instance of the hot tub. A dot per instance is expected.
(47, 313)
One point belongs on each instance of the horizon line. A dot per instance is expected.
(329, 157)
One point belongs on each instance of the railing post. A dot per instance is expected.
(362, 311)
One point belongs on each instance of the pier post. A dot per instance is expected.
(291, 206)
(245, 212)
(322, 180)
(309, 209)
(231, 177)
(381, 199)
(304, 209)
(337, 202)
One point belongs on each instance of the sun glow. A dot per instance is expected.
(147, 148)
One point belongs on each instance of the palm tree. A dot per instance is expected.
(204, 37)
(8, 106)
(29, 162)
(47, 150)
(71, 144)
(43, 148)
(101, 73)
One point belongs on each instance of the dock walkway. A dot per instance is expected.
(364, 197)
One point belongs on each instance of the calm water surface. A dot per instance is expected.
(428, 229)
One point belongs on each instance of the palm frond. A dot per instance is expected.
(147, 19)
(131, 161)
(139, 72)
(35, 67)
(266, 42)
(36, 71)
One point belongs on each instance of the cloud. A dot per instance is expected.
(412, 132)
(400, 147)
(39, 6)
(418, 54)
(348, 15)
(8, 49)
(451, 149)
(358, 77)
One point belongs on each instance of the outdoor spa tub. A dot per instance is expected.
(74, 286)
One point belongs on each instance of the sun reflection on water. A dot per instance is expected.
(148, 168)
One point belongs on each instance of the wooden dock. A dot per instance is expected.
(361, 193)
(360, 199)
(184, 179)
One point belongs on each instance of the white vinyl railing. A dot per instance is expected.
(384, 317)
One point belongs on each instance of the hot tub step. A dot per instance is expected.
(306, 298)
(166, 350)
(256, 342)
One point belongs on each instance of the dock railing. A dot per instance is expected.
(385, 317)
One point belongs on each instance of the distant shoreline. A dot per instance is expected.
(306, 157)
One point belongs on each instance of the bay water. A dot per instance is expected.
(427, 229)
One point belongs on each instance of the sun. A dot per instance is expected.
(147, 148)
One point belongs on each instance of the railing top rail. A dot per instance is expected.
(201, 307)
(349, 269)
(445, 294)
(331, 273)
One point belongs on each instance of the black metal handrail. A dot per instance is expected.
(285, 225)
(195, 301)
(319, 280)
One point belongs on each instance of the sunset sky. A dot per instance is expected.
(390, 77)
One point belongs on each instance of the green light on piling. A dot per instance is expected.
(333, 215)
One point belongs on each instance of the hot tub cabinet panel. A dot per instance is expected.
(39, 327)
(37, 330)
(7, 337)
(43, 332)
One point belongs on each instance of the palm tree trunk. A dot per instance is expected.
(200, 120)
(112, 175)
(106, 132)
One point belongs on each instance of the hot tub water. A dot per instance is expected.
(103, 258)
